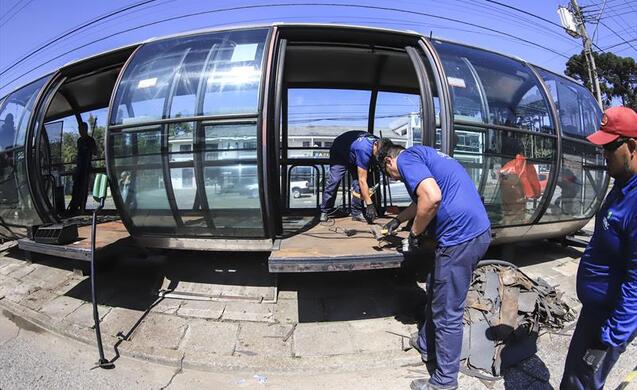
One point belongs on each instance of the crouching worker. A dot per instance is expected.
(607, 273)
(446, 202)
(353, 152)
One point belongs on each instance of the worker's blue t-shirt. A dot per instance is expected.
(607, 273)
(353, 148)
(461, 215)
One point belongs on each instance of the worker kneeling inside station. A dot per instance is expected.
(447, 204)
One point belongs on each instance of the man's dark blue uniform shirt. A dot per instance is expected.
(461, 215)
(607, 273)
(353, 148)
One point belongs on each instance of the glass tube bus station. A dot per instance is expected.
(219, 140)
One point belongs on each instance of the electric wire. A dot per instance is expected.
(72, 31)
(15, 13)
(279, 5)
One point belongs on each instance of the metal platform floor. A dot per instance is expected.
(339, 244)
(109, 235)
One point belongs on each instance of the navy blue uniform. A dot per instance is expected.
(350, 151)
(607, 288)
(462, 229)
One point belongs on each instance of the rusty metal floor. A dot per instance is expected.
(108, 235)
(337, 245)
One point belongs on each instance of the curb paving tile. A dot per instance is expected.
(172, 331)
(206, 339)
(202, 309)
(83, 316)
(167, 306)
(119, 319)
(255, 339)
(37, 299)
(46, 277)
(248, 311)
(380, 334)
(23, 271)
(60, 307)
(336, 339)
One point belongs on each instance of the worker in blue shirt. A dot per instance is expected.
(607, 273)
(447, 204)
(353, 152)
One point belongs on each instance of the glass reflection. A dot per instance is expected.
(16, 206)
(488, 87)
(508, 169)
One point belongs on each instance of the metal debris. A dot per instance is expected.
(504, 312)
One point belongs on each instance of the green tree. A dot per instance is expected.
(617, 76)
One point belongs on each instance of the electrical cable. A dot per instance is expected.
(72, 31)
(279, 5)
(15, 13)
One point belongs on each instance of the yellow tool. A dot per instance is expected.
(371, 191)
(379, 232)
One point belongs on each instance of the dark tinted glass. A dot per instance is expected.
(16, 207)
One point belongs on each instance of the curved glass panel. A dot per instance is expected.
(233, 74)
(493, 88)
(145, 86)
(137, 164)
(16, 206)
(580, 183)
(579, 113)
(209, 74)
(506, 167)
(231, 179)
(467, 100)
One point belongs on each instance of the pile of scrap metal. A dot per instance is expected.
(504, 313)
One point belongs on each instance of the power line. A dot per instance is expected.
(619, 36)
(621, 43)
(238, 8)
(16, 12)
(74, 30)
(530, 14)
(11, 9)
(505, 14)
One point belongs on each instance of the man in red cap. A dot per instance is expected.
(607, 274)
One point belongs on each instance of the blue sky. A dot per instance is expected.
(27, 24)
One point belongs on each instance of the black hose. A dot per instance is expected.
(102, 362)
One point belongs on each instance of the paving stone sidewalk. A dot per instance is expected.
(323, 322)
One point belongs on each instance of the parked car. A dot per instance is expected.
(300, 187)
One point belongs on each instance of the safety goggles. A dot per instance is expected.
(613, 146)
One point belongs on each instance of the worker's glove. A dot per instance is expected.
(370, 213)
(392, 226)
(595, 355)
(411, 243)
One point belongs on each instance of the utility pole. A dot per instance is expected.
(574, 25)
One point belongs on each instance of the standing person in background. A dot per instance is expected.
(86, 148)
(607, 273)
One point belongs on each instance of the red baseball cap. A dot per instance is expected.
(616, 122)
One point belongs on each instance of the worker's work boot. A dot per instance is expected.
(413, 342)
(323, 217)
(424, 384)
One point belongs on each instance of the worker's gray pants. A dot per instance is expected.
(447, 287)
